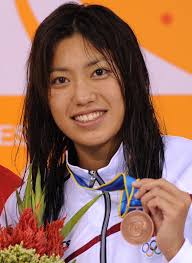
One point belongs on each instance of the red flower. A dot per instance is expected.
(54, 238)
(27, 221)
(40, 242)
(5, 237)
(46, 240)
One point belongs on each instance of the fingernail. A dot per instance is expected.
(136, 195)
(136, 183)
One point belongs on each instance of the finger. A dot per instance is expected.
(166, 208)
(139, 183)
(157, 192)
(157, 218)
(146, 185)
(179, 198)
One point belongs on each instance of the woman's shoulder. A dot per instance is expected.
(176, 143)
(178, 161)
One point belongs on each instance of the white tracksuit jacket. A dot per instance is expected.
(84, 244)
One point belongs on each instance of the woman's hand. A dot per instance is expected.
(168, 207)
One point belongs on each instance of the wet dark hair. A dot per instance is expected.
(112, 37)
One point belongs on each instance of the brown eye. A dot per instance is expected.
(59, 81)
(100, 73)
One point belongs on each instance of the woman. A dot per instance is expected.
(87, 117)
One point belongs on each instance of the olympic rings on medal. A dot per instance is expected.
(151, 248)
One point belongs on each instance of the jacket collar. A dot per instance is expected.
(116, 165)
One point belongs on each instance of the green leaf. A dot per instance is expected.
(38, 190)
(33, 200)
(28, 191)
(73, 221)
(39, 210)
(38, 199)
(19, 202)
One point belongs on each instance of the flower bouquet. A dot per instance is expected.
(30, 240)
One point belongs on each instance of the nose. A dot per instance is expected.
(84, 93)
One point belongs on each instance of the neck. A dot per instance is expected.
(96, 157)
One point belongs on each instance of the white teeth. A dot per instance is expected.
(89, 117)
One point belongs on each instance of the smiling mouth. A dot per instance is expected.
(89, 117)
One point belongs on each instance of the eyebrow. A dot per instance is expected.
(89, 64)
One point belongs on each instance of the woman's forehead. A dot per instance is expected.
(78, 50)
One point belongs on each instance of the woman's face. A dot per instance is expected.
(85, 98)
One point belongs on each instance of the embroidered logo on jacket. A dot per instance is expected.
(150, 248)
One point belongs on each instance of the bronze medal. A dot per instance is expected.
(137, 227)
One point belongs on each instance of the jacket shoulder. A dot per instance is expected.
(178, 162)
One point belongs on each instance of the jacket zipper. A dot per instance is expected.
(107, 199)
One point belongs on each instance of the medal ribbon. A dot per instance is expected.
(121, 182)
